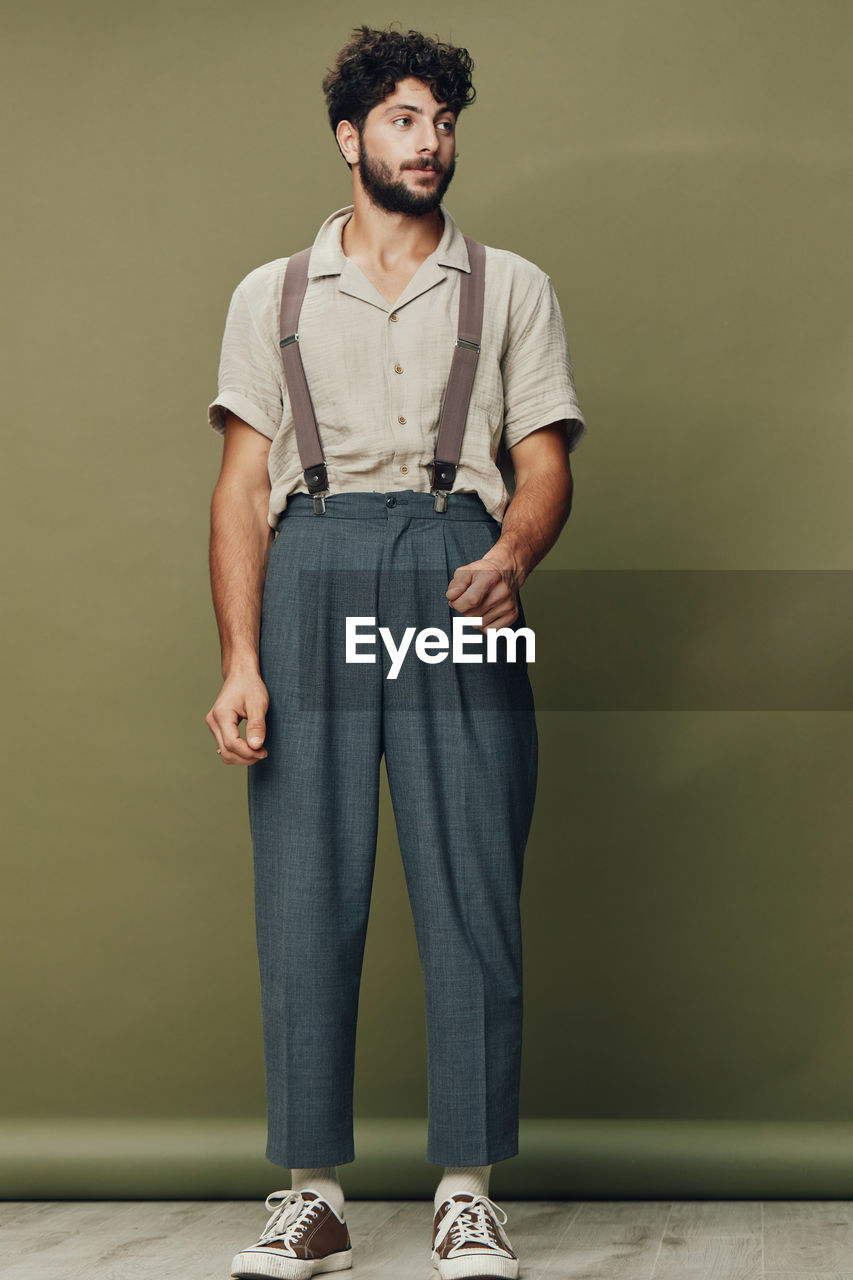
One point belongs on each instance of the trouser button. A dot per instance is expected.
(390, 502)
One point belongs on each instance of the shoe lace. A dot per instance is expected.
(290, 1215)
(471, 1221)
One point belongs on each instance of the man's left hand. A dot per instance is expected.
(484, 589)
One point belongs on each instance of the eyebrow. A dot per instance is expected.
(407, 106)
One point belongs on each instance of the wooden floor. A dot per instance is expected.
(599, 1240)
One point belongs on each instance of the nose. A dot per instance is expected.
(429, 138)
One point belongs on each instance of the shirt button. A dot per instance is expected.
(390, 502)
(405, 470)
(393, 316)
(398, 368)
(401, 419)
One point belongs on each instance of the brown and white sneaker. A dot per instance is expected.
(468, 1239)
(304, 1237)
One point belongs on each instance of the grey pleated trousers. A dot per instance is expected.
(460, 748)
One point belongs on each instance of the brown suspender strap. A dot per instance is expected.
(457, 397)
(304, 418)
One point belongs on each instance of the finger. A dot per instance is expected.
(505, 619)
(224, 726)
(500, 613)
(460, 581)
(496, 599)
(487, 587)
(241, 754)
(472, 599)
(234, 749)
(256, 728)
(213, 726)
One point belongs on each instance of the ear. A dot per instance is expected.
(347, 139)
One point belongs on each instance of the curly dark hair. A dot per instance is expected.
(373, 62)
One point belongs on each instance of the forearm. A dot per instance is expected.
(532, 522)
(240, 539)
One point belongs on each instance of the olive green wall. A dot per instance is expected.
(683, 172)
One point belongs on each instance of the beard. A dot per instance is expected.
(392, 195)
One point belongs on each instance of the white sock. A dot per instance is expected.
(470, 1179)
(324, 1181)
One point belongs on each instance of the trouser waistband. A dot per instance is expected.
(402, 502)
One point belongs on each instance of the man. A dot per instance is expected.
(375, 528)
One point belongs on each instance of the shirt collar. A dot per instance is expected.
(328, 258)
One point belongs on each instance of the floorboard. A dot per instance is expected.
(556, 1240)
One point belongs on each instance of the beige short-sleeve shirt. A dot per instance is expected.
(377, 373)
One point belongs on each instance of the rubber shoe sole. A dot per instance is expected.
(256, 1265)
(479, 1265)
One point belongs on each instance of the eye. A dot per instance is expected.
(403, 120)
(447, 125)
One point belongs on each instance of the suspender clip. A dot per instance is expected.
(318, 486)
(469, 346)
(291, 337)
(442, 475)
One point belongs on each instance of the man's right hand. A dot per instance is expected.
(242, 697)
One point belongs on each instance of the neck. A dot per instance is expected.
(389, 239)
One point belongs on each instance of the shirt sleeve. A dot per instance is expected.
(539, 385)
(250, 376)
